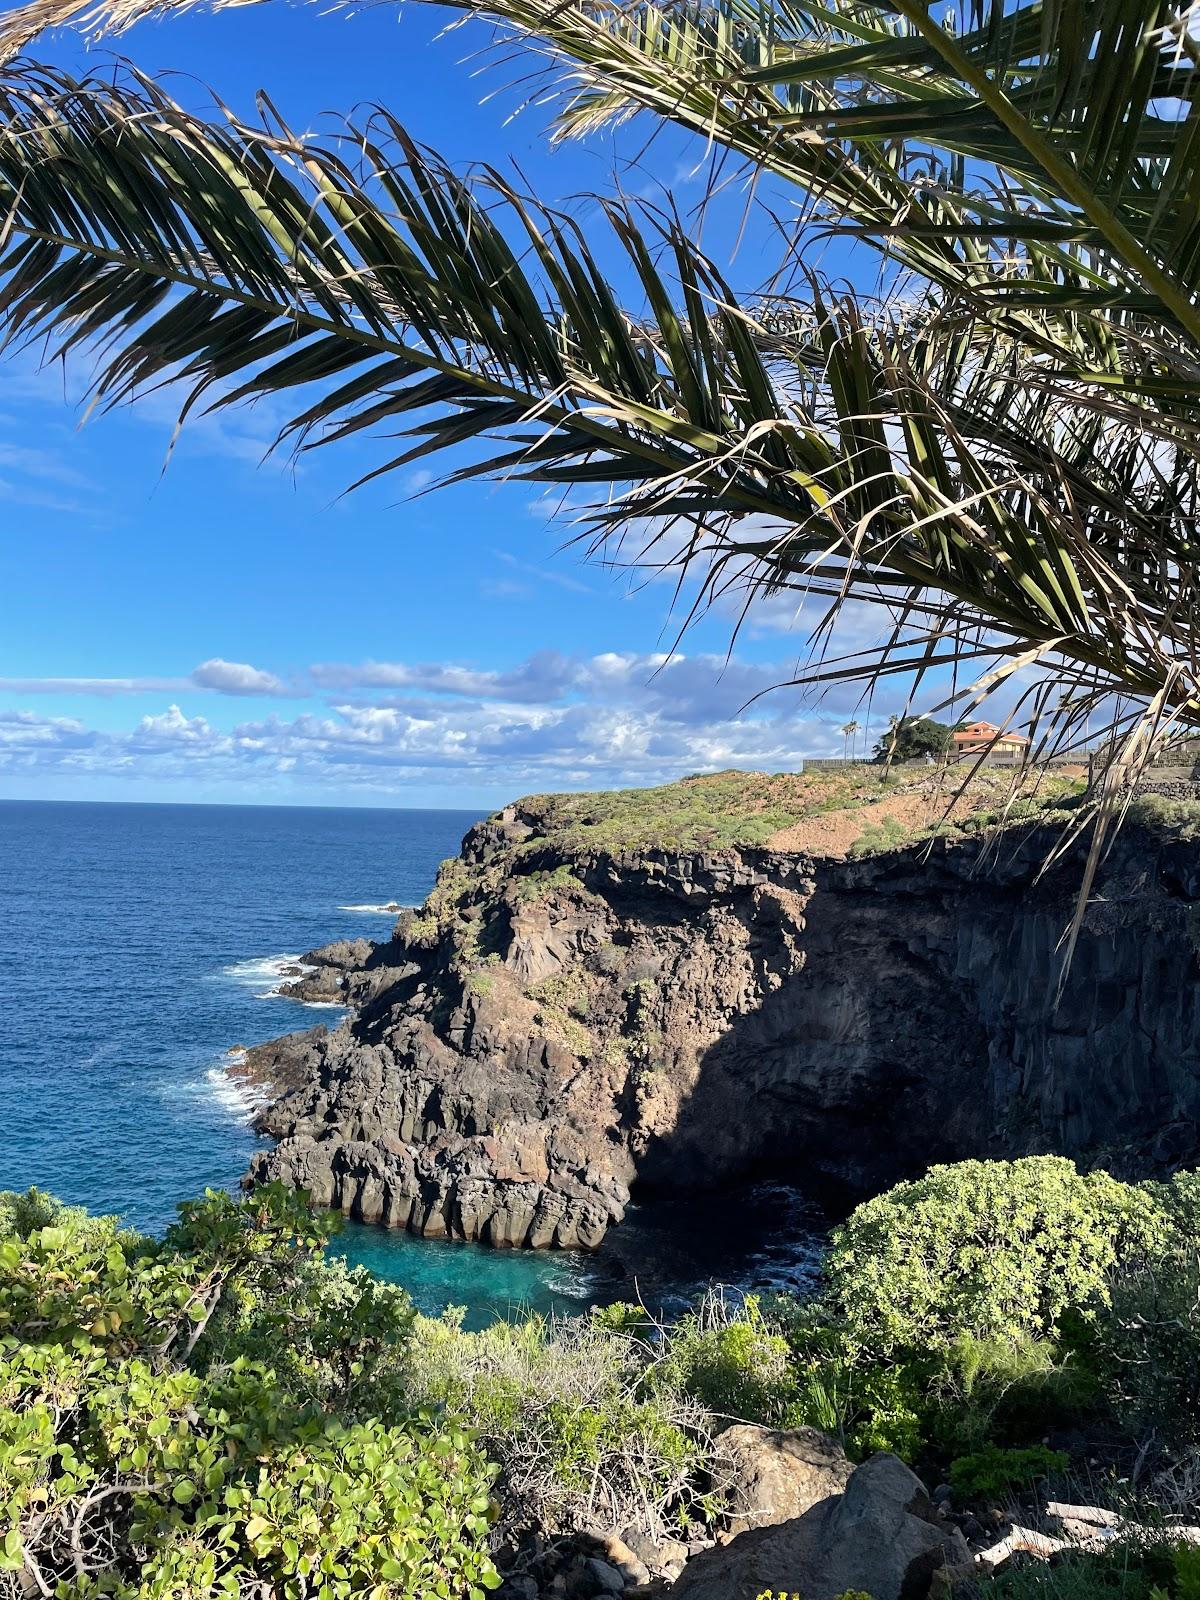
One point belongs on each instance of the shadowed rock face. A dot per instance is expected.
(553, 1026)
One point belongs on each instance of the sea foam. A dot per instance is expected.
(266, 969)
(240, 1098)
(391, 909)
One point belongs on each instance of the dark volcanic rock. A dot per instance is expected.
(880, 1537)
(550, 1028)
(321, 975)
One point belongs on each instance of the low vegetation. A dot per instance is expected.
(991, 805)
(230, 1410)
(700, 813)
(219, 1413)
(1180, 818)
(729, 809)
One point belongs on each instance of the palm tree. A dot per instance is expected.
(1001, 453)
(848, 732)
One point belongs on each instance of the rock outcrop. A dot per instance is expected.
(776, 1475)
(560, 1022)
(881, 1537)
(319, 977)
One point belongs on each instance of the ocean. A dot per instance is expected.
(140, 943)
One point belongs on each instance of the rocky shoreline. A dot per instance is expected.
(557, 1024)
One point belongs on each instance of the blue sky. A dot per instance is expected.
(233, 630)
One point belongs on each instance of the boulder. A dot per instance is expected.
(609, 1580)
(778, 1475)
(620, 1556)
(661, 1555)
(879, 1536)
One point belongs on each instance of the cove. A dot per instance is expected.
(139, 943)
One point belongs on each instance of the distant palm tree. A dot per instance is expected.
(1003, 453)
(848, 733)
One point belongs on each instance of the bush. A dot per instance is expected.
(1148, 1565)
(148, 1446)
(1121, 1575)
(832, 1383)
(876, 837)
(1006, 1391)
(993, 1473)
(1147, 1351)
(727, 1356)
(996, 1250)
(582, 1439)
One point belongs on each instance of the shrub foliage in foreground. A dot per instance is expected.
(227, 1411)
(151, 1446)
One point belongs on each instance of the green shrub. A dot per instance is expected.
(993, 1473)
(877, 837)
(1183, 1576)
(565, 1409)
(1118, 1575)
(996, 1250)
(1006, 1391)
(147, 1449)
(1147, 1350)
(1147, 1565)
(729, 1357)
(828, 1381)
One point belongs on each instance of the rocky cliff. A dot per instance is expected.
(565, 1018)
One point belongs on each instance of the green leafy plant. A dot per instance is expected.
(148, 1446)
(1120, 1574)
(877, 837)
(990, 1249)
(583, 1436)
(729, 1357)
(993, 1473)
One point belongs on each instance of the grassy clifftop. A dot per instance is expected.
(726, 809)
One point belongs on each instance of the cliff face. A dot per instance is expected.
(558, 1023)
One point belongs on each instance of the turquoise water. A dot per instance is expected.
(138, 944)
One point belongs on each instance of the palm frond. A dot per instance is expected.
(1035, 161)
(889, 457)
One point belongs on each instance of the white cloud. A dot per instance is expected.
(96, 686)
(26, 727)
(549, 722)
(552, 720)
(236, 677)
(216, 675)
(172, 729)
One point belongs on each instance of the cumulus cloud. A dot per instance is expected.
(236, 677)
(552, 720)
(23, 727)
(684, 688)
(170, 729)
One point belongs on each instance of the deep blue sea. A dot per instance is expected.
(139, 943)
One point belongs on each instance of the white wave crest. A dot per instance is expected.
(391, 909)
(273, 970)
(238, 1097)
